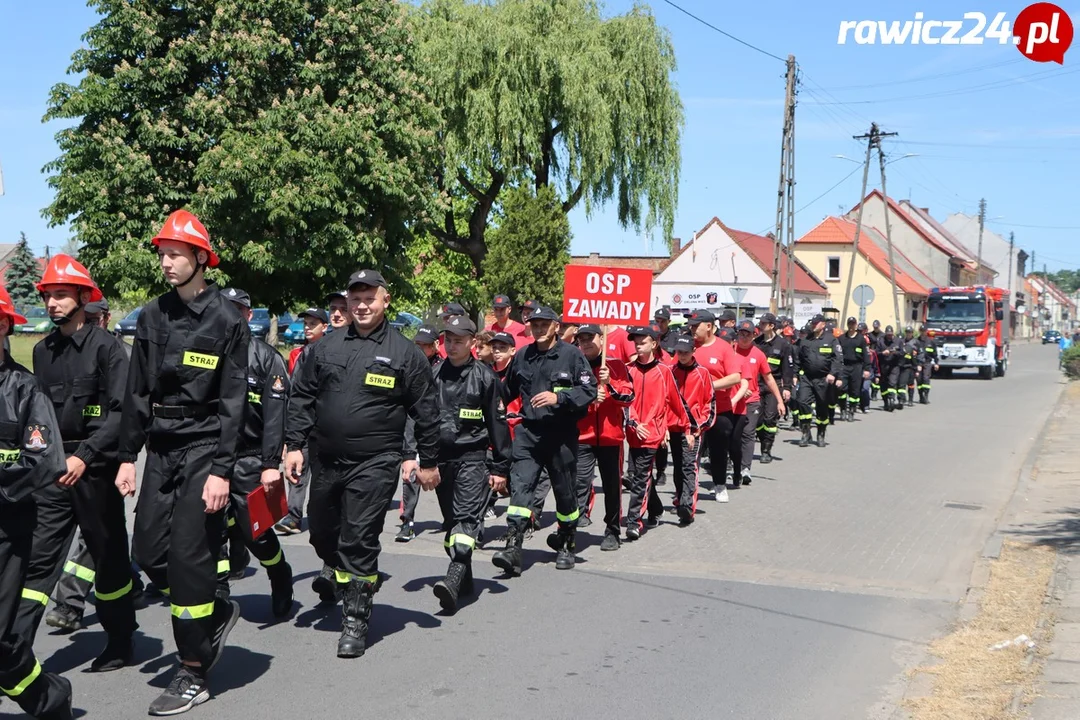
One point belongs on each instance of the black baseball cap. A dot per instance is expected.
(589, 330)
(816, 319)
(451, 310)
(767, 319)
(237, 296)
(862, 327)
(646, 330)
(460, 325)
(371, 278)
(877, 323)
(531, 305)
(343, 294)
(852, 320)
(317, 313)
(505, 338)
(909, 329)
(726, 334)
(746, 326)
(426, 334)
(97, 307)
(700, 316)
(727, 316)
(500, 301)
(683, 343)
(543, 313)
(662, 314)
(888, 329)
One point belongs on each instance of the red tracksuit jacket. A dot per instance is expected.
(604, 423)
(695, 386)
(655, 395)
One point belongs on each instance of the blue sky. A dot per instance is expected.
(982, 121)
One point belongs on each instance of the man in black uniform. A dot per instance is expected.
(186, 391)
(85, 370)
(258, 457)
(778, 351)
(818, 358)
(427, 339)
(875, 339)
(889, 351)
(374, 376)
(908, 361)
(555, 385)
(31, 457)
(928, 347)
(856, 355)
(472, 419)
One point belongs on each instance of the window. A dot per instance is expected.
(833, 271)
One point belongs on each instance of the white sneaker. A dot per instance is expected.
(722, 496)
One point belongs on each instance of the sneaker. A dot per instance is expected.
(722, 496)
(746, 478)
(685, 516)
(661, 479)
(406, 533)
(64, 618)
(633, 532)
(489, 514)
(652, 521)
(610, 542)
(186, 690)
(227, 613)
(288, 526)
(584, 521)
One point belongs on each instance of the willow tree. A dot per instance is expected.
(551, 93)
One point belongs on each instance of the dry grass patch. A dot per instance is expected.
(971, 681)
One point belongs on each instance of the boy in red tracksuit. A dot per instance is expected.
(655, 396)
(695, 387)
(601, 435)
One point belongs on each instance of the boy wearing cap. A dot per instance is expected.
(695, 386)
(500, 308)
(556, 386)
(427, 339)
(338, 302)
(472, 420)
(755, 365)
(601, 435)
(778, 355)
(31, 458)
(856, 355)
(656, 409)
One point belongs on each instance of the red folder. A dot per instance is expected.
(265, 509)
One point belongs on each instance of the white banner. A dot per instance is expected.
(804, 311)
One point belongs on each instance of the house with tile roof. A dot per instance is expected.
(963, 249)
(1054, 307)
(827, 249)
(702, 274)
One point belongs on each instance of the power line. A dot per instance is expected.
(1037, 227)
(829, 190)
(725, 34)
(935, 76)
(992, 146)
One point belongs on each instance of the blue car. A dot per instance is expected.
(294, 334)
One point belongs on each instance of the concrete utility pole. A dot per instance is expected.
(982, 223)
(1012, 291)
(785, 194)
(888, 239)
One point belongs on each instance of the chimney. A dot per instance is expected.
(674, 245)
(594, 258)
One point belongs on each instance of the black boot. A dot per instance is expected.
(281, 590)
(821, 435)
(901, 401)
(805, 439)
(325, 585)
(449, 589)
(766, 450)
(888, 403)
(564, 558)
(356, 601)
(926, 396)
(509, 558)
(117, 654)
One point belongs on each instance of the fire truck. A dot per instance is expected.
(968, 325)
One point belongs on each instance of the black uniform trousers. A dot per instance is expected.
(179, 545)
(463, 492)
(347, 504)
(554, 449)
(890, 377)
(97, 508)
(684, 463)
(853, 382)
(661, 461)
(21, 677)
(608, 459)
(77, 580)
(410, 497)
(925, 375)
(897, 384)
(769, 420)
(247, 474)
(639, 480)
(907, 380)
(724, 440)
(814, 392)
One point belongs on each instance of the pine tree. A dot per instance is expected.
(22, 275)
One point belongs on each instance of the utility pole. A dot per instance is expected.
(982, 223)
(786, 189)
(1012, 291)
(888, 238)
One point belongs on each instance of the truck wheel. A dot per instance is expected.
(943, 373)
(1002, 367)
(986, 372)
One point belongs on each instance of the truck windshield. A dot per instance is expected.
(942, 310)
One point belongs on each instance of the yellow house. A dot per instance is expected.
(826, 251)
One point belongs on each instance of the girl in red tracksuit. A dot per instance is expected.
(655, 396)
(601, 435)
(695, 387)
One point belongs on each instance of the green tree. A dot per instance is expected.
(550, 93)
(529, 249)
(298, 130)
(22, 275)
(439, 275)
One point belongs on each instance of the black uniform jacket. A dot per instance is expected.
(562, 369)
(779, 353)
(818, 357)
(267, 400)
(187, 383)
(31, 455)
(352, 394)
(86, 375)
(473, 414)
(856, 351)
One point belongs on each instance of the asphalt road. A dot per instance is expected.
(805, 597)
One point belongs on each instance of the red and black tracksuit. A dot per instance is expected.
(695, 386)
(600, 440)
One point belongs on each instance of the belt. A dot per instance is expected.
(179, 412)
(72, 445)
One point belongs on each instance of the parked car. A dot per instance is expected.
(294, 334)
(37, 321)
(283, 322)
(259, 323)
(126, 325)
(1051, 336)
(406, 321)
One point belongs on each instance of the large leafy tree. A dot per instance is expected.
(551, 93)
(298, 130)
(439, 275)
(529, 249)
(22, 275)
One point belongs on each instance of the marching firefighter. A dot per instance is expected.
(427, 339)
(874, 338)
(472, 419)
(909, 360)
(889, 352)
(556, 386)
(258, 460)
(819, 360)
(376, 377)
(185, 399)
(31, 458)
(778, 353)
(928, 346)
(695, 386)
(84, 369)
(856, 356)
